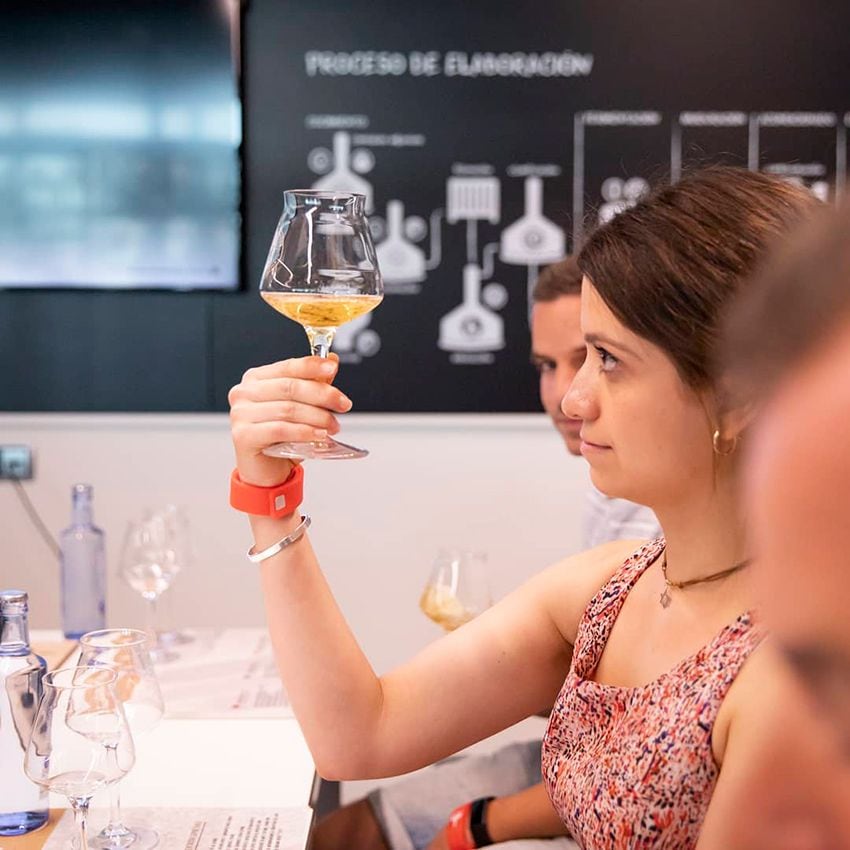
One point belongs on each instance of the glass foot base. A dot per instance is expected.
(135, 837)
(325, 450)
(174, 637)
(161, 654)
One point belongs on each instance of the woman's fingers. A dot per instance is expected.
(250, 438)
(291, 389)
(291, 380)
(293, 412)
(288, 401)
(310, 368)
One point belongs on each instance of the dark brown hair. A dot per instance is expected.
(558, 279)
(800, 296)
(668, 266)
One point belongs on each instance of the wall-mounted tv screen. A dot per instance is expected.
(120, 135)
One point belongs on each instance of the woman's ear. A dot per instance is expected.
(735, 414)
(734, 423)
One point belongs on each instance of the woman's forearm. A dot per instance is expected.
(333, 689)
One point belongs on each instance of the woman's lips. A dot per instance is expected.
(588, 446)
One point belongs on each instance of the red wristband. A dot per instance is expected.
(458, 834)
(277, 501)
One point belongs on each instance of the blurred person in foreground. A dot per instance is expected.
(788, 344)
(408, 814)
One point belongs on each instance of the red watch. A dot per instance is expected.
(277, 501)
(458, 834)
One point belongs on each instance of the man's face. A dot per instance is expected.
(798, 495)
(558, 351)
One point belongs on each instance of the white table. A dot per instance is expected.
(217, 763)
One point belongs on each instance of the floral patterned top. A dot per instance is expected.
(633, 767)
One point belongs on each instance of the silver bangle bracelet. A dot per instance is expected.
(296, 534)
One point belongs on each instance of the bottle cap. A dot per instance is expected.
(9, 598)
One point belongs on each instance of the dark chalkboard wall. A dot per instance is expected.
(463, 112)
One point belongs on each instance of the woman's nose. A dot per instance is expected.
(579, 400)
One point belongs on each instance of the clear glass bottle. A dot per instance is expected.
(83, 568)
(23, 804)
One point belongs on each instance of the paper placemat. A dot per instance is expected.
(223, 673)
(204, 829)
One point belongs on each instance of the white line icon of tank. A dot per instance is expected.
(532, 239)
(400, 261)
(618, 195)
(342, 178)
(471, 327)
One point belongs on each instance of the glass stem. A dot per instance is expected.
(115, 831)
(150, 626)
(321, 340)
(80, 805)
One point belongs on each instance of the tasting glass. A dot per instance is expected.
(80, 741)
(321, 272)
(457, 589)
(153, 553)
(126, 652)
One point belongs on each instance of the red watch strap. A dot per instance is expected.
(458, 834)
(277, 501)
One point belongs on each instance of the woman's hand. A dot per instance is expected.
(292, 401)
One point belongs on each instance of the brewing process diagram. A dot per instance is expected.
(807, 148)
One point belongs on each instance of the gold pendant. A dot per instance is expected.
(665, 599)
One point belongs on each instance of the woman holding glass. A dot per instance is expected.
(668, 677)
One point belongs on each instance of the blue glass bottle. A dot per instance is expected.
(83, 568)
(23, 804)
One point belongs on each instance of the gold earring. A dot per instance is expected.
(715, 444)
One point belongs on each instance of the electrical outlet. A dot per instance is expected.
(16, 462)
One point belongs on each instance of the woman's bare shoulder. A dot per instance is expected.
(763, 694)
(568, 585)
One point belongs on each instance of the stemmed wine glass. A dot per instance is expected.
(125, 651)
(321, 272)
(149, 563)
(80, 739)
(179, 542)
(457, 589)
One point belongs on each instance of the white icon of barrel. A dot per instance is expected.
(473, 199)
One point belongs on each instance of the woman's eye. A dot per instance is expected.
(607, 359)
(544, 366)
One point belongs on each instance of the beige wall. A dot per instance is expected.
(502, 483)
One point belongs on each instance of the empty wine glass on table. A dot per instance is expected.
(125, 651)
(457, 589)
(149, 563)
(179, 542)
(321, 272)
(80, 741)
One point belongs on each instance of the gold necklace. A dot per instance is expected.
(665, 599)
